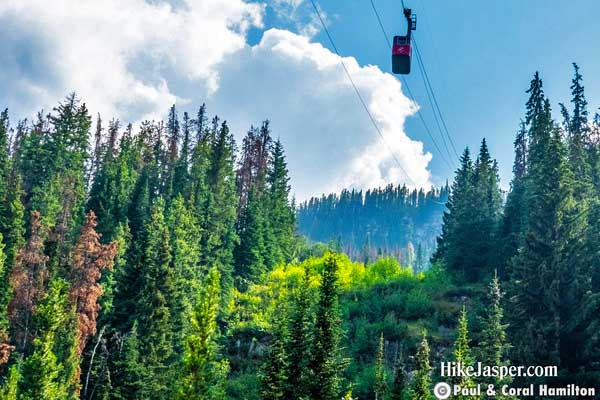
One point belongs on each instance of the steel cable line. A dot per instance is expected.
(412, 97)
(358, 92)
(436, 60)
(435, 115)
(435, 102)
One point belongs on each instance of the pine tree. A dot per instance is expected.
(421, 386)
(89, 259)
(204, 374)
(326, 364)
(28, 283)
(381, 386)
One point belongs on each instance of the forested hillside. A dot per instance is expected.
(117, 255)
(163, 262)
(393, 221)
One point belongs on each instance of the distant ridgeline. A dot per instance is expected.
(391, 221)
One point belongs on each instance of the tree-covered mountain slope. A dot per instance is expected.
(394, 221)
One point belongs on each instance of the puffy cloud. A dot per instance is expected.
(119, 55)
(331, 143)
(132, 59)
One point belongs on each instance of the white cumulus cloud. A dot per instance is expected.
(119, 55)
(132, 59)
(331, 142)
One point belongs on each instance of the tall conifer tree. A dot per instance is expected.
(326, 363)
(421, 389)
(541, 283)
(204, 373)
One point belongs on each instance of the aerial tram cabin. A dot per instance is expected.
(401, 49)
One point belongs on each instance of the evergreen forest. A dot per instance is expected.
(166, 261)
(392, 221)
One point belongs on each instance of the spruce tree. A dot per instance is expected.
(200, 165)
(130, 373)
(5, 347)
(462, 352)
(400, 383)
(487, 181)
(62, 194)
(14, 230)
(114, 182)
(513, 222)
(181, 169)
(494, 345)
(185, 245)
(281, 214)
(251, 250)
(4, 170)
(298, 345)
(381, 386)
(578, 138)
(10, 385)
(152, 309)
(421, 386)
(129, 278)
(43, 374)
(172, 154)
(326, 364)
(455, 242)
(28, 281)
(274, 371)
(218, 213)
(32, 158)
(542, 291)
(204, 374)
(88, 261)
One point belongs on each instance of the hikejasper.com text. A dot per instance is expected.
(457, 369)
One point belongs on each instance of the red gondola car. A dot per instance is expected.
(401, 49)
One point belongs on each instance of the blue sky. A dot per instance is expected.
(250, 60)
(480, 56)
